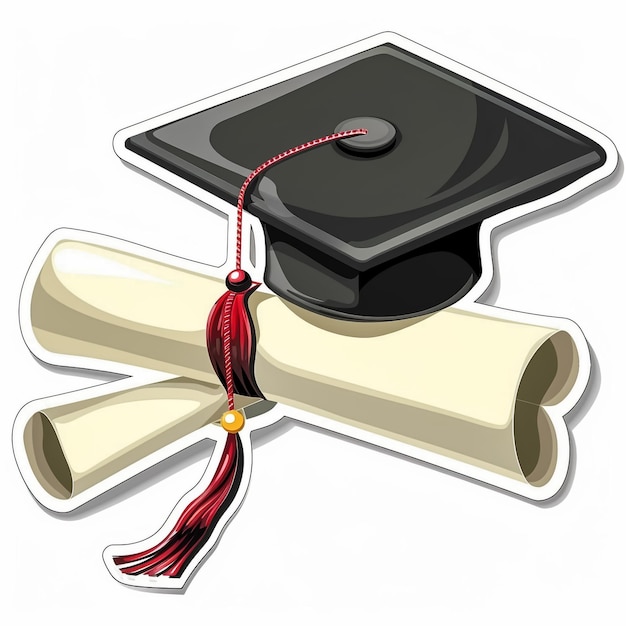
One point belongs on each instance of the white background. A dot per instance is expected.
(330, 530)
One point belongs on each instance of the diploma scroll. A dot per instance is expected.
(464, 384)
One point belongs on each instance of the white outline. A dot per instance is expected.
(139, 376)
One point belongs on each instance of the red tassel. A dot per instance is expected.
(171, 556)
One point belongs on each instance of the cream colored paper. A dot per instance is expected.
(75, 446)
(462, 384)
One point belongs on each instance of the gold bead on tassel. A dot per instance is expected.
(233, 421)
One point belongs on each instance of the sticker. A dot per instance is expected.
(349, 308)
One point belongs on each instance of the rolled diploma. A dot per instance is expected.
(75, 446)
(458, 383)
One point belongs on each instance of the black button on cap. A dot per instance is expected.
(381, 136)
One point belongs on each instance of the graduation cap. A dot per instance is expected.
(384, 225)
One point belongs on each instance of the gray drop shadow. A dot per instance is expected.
(574, 417)
(267, 434)
(490, 295)
(102, 376)
(204, 449)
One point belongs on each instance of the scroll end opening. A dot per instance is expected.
(548, 378)
(535, 443)
(46, 457)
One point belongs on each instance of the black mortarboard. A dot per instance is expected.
(385, 225)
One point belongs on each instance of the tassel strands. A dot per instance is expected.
(171, 556)
(167, 559)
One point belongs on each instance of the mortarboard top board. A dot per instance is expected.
(385, 225)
